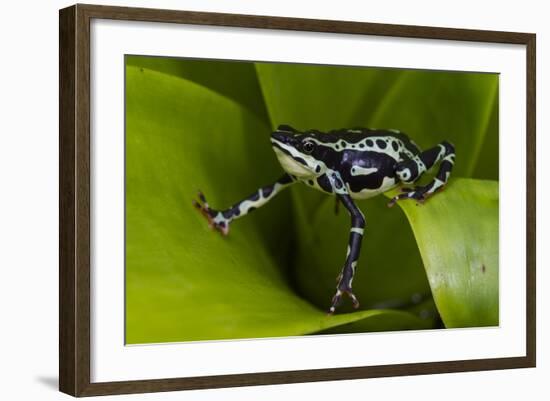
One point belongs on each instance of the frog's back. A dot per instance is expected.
(368, 157)
(356, 135)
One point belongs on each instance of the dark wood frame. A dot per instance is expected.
(74, 203)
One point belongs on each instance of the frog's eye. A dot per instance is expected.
(308, 147)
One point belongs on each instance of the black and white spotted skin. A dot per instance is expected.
(351, 164)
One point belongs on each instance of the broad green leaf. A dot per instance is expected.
(233, 79)
(323, 97)
(457, 233)
(434, 106)
(183, 281)
(487, 164)
(398, 320)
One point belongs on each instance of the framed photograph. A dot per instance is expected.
(251, 200)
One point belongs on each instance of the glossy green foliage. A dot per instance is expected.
(460, 254)
(195, 124)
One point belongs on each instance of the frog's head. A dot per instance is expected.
(297, 152)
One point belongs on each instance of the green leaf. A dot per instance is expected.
(457, 233)
(434, 106)
(487, 163)
(233, 79)
(379, 320)
(183, 281)
(320, 96)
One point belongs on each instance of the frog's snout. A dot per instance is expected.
(284, 134)
(281, 137)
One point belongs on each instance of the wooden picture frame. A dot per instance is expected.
(74, 205)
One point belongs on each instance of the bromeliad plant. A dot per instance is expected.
(204, 124)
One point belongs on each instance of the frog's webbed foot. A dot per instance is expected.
(419, 193)
(337, 298)
(215, 219)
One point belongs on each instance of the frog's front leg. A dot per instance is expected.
(408, 171)
(219, 220)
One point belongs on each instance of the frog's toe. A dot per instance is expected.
(418, 193)
(337, 299)
(421, 195)
(201, 204)
(403, 194)
(223, 228)
(203, 209)
(397, 198)
(392, 201)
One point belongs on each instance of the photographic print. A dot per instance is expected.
(241, 188)
(276, 199)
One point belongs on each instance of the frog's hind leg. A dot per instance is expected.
(354, 247)
(219, 220)
(411, 170)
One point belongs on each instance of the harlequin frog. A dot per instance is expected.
(351, 164)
